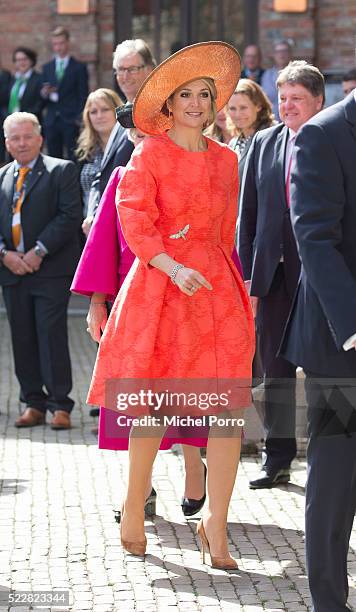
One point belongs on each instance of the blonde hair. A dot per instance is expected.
(89, 139)
(21, 117)
(255, 93)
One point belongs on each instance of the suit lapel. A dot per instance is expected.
(7, 192)
(52, 72)
(280, 149)
(35, 175)
(350, 112)
(110, 145)
(67, 73)
(28, 91)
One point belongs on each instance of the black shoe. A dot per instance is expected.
(94, 412)
(192, 506)
(150, 506)
(270, 478)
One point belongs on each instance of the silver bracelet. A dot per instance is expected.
(174, 272)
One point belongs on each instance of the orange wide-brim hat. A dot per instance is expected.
(214, 60)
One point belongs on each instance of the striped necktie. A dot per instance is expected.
(14, 103)
(17, 203)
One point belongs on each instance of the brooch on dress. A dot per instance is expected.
(181, 233)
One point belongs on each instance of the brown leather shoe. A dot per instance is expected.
(61, 420)
(30, 418)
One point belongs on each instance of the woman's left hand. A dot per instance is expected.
(96, 319)
(189, 281)
(86, 225)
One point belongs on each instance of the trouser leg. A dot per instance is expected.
(20, 312)
(70, 136)
(331, 491)
(54, 138)
(51, 303)
(278, 408)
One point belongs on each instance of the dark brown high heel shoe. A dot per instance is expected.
(134, 548)
(223, 563)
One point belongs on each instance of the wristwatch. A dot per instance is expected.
(39, 252)
(3, 252)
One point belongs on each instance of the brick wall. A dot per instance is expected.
(325, 34)
(38, 19)
(336, 35)
(298, 27)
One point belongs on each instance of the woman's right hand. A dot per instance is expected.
(189, 281)
(96, 319)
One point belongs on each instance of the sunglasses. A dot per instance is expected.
(124, 115)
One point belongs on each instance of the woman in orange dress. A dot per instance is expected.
(183, 312)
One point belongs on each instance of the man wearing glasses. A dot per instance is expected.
(132, 62)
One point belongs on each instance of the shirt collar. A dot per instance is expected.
(65, 59)
(292, 134)
(30, 165)
(26, 76)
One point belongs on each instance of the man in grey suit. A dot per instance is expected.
(321, 337)
(40, 213)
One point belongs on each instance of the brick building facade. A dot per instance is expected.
(324, 34)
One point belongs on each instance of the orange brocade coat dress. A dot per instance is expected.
(154, 330)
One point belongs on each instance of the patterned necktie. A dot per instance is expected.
(60, 70)
(16, 210)
(14, 103)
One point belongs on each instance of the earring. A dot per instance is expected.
(170, 113)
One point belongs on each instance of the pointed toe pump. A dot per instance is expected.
(193, 506)
(222, 563)
(133, 548)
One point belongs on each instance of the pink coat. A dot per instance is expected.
(106, 258)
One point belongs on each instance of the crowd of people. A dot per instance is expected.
(231, 259)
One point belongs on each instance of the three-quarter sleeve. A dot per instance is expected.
(137, 207)
(228, 226)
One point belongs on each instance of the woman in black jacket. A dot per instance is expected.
(25, 85)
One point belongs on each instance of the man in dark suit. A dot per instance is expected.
(270, 260)
(321, 337)
(40, 213)
(64, 90)
(132, 63)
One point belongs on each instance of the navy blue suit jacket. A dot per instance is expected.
(72, 91)
(323, 209)
(264, 214)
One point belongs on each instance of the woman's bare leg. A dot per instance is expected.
(223, 455)
(142, 453)
(194, 472)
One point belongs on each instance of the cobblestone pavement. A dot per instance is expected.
(57, 529)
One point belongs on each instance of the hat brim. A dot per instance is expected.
(214, 59)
